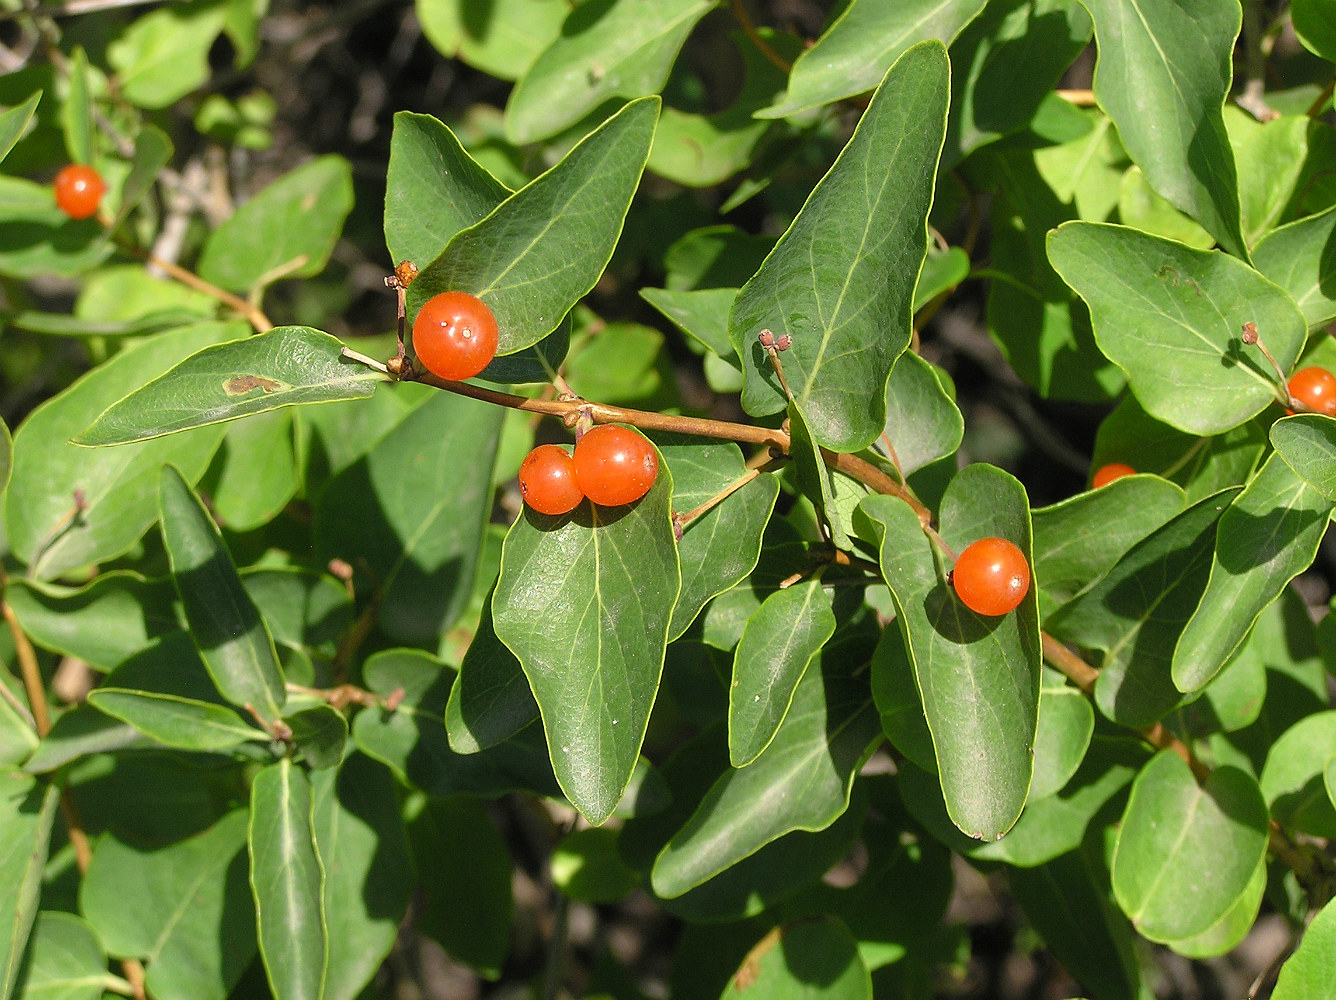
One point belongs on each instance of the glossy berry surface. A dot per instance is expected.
(1108, 473)
(991, 576)
(547, 480)
(615, 465)
(455, 335)
(79, 190)
(1315, 388)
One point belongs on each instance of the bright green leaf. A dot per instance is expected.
(814, 959)
(164, 55)
(587, 867)
(1292, 778)
(1315, 24)
(76, 113)
(14, 122)
(177, 722)
(502, 39)
(1310, 974)
(1301, 258)
(27, 808)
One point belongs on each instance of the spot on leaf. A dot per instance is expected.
(239, 385)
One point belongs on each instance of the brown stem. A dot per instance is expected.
(761, 44)
(342, 695)
(680, 521)
(1080, 98)
(253, 313)
(1319, 105)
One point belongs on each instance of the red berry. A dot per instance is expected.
(547, 480)
(79, 190)
(455, 335)
(991, 576)
(1315, 388)
(615, 465)
(1108, 473)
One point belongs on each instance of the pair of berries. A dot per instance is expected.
(79, 190)
(612, 465)
(991, 576)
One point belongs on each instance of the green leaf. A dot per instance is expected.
(80, 732)
(460, 855)
(1270, 158)
(1315, 24)
(1226, 933)
(153, 151)
(255, 473)
(854, 53)
(1141, 207)
(411, 738)
(779, 642)
(319, 734)
(175, 721)
(225, 625)
(587, 867)
(38, 239)
(864, 226)
(368, 875)
(132, 292)
(287, 880)
(18, 739)
(800, 782)
(719, 548)
(1186, 852)
(287, 366)
(1066, 722)
(816, 480)
(1301, 258)
(1267, 537)
(490, 700)
(983, 746)
(27, 808)
(182, 907)
(816, 957)
(65, 961)
(1309, 974)
(1163, 74)
(117, 486)
(288, 230)
(922, 421)
(1292, 778)
(164, 55)
(1307, 443)
(433, 188)
(942, 271)
(606, 49)
(1079, 539)
(502, 39)
(14, 122)
(1170, 317)
(584, 601)
(1137, 611)
(411, 514)
(701, 314)
(546, 245)
(76, 114)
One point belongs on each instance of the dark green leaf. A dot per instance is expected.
(79, 732)
(27, 808)
(175, 721)
(255, 473)
(153, 151)
(411, 514)
(780, 640)
(1164, 64)
(584, 601)
(701, 314)
(65, 961)
(288, 882)
(1171, 317)
(14, 122)
(1315, 24)
(922, 421)
(490, 700)
(606, 49)
(1292, 778)
(1301, 258)
(287, 366)
(849, 314)
(288, 230)
(816, 480)
(1186, 852)
(587, 867)
(815, 958)
(118, 486)
(546, 245)
(319, 733)
(183, 907)
(1267, 537)
(1307, 443)
(225, 625)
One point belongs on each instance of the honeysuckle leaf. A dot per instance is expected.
(778, 643)
(1309, 974)
(1173, 827)
(1170, 317)
(817, 957)
(539, 251)
(841, 280)
(225, 625)
(801, 781)
(584, 602)
(1270, 159)
(1315, 26)
(1164, 71)
(65, 960)
(27, 808)
(248, 493)
(700, 313)
(1137, 611)
(502, 39)
(174, 905)
(117, 487)
(816, 480)
(854, 53)
(1292, 777)
(37, 238)
(1267, 537)
(279, 233)
(14, 122)
(1307, 443)
(411, 513)
(490, 700)
(288, 366)
(605, 50)
(1226, 933)
(956, 653)
(153, 151)
(922, 421)
(433, 189)
(178, 722)
(318, 734)
(1301, 258)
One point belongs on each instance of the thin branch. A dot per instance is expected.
(253, 313)
(70, 8)
(761, 44)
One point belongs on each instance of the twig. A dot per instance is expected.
(761, 44)
(680, 521)
(342, 695)
(253, 313)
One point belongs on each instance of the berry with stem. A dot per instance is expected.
(614, 465)
(1315, 388)
(79, 190)
(455, 335)
(991, 577)
(1106, 474)
(547, 480)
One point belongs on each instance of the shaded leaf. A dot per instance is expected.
(14, 122)
(922, 421)
(1301, 258)
(37, 238)
(490, 700)
(1292, 778)
(65, 961)
(814, 957)
(153, 151)
(319, 734)
(27, 808)
(175, 721)
(1307, 443)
